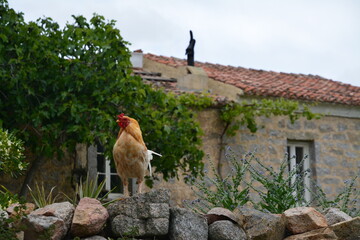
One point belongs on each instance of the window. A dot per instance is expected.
(106, 170)
(299, 158)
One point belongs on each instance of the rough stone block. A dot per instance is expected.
(259, 225)
(147, 214)
(157, 226)
(348, 230)
(185, 224)
(89, 218)
(318, 234)
(44, 227)
(226, 230)
(304, 219)
(334, 215)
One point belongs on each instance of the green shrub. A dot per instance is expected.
(229, 192)
(347, 200)
(275, 189)
(9, 226)
(280, 192)
(11, 154)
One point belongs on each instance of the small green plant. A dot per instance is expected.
(39, 196)
(11, 154)
(229, 192)
(278, 190)
(134, 231)
(282, 189)
(9, 226)
(347, 200)
(89, 188)
(7, 198)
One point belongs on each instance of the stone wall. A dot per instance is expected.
(53, 172)
(335, 142)
(150, 216)
(334, 139)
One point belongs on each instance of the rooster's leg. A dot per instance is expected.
(139, 183)
(125, 186)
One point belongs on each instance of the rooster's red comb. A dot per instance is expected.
(121, 115)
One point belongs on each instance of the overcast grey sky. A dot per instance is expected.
(319, 37)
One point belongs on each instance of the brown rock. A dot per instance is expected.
(89, 218)
(52, 221)
(304, 219)
(12, 212)
(334, 215)
(259, 225)
(318, 234)
(219, 214)
(348, 230)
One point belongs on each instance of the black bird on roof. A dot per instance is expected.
(190, 50)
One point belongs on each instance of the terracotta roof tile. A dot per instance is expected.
(274, 84)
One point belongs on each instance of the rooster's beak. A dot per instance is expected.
(117, 120)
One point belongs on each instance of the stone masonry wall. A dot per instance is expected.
(336, 146)
(335, 141)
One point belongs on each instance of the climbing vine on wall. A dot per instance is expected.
(245, 113)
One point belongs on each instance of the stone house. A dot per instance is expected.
(331, 143)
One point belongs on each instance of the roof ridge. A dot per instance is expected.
(267, 83)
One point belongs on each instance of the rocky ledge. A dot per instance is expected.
(149, 216)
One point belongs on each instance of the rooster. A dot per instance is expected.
(130, 153)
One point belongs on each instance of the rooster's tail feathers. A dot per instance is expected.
(150, 157)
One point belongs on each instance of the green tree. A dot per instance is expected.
(65, 86)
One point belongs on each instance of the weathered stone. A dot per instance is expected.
(122, 225)
(44, 227)
(304, 219)
(294, 126)
(14, 209)
(63, 210)
(342, 127)
(155, 196)
(185, 224)
(325, 128)
(351, 154)
(52, 221)
(318, 234)
(339, 136)
(218, 214)
(146, 215)
(226, 230)
(348, 230)
(157, 226)
(89, 218)
(96, 237)
(331, 161)
(309, 125)
(259, 225)
(334, 215)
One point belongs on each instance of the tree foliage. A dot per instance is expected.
(11, 154)
(65, 86)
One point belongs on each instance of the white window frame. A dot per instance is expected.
(107, 174)
(292, 145)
